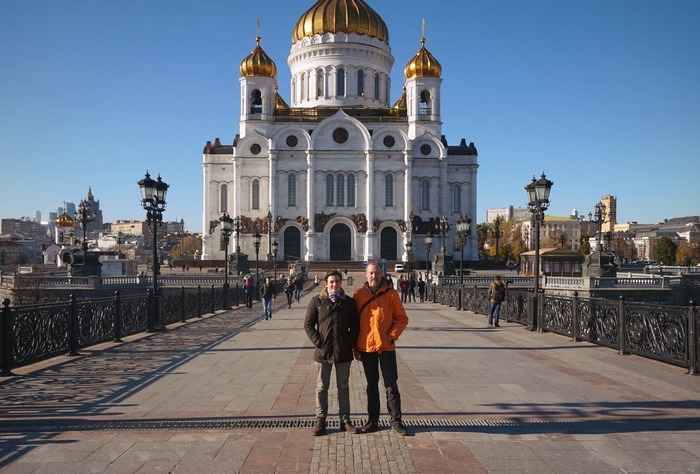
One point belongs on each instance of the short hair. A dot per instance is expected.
(497, 278)
(375, 263)
(331, 273)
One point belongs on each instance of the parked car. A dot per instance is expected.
(398, 267)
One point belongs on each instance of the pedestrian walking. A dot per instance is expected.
(267, 292)
(421, 289)
(298, 286)
(497, 293)
(248, 289)
(289, 291)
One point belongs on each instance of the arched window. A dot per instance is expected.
(376, 86)
(255, 197)
(329, 190)
(319, 83)
(256, 102)
(291, 190)
(303, 86)
(388, 190)
(360, 82)
(223, 195)
(424, 104)
(425, 194)
(340, 83)
(456, 199)
(340, 190)
(351, 190)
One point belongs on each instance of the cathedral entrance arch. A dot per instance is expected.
(292, 244)
(340, 242)
(388, 238)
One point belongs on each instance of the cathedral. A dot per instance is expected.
(342, 172)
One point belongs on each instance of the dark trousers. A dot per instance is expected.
(372, 362)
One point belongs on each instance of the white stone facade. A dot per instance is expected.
(340, 171)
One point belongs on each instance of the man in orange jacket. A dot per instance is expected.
(382, 320)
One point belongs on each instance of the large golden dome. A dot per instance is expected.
(341, 16)
(64, 220)
(258, 63)
(423, 64)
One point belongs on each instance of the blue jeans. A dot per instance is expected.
(494, 310)
(267, 307)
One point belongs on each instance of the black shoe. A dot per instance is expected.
(369, 427)
(497, 325)
(399, 427)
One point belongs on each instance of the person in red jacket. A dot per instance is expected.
(382, 320)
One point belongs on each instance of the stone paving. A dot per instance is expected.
(231, 392)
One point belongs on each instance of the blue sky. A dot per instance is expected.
(604, 96)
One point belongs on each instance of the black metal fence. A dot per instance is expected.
(35, 332)
(665, 333)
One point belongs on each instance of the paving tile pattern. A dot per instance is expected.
(233, 393)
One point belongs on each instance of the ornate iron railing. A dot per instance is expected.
(36, 332)
(666, 333)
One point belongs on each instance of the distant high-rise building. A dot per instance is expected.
(610, 218)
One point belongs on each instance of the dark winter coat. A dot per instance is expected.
(332, 327)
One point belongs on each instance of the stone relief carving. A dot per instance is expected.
(320, 220)
(360, 221)
(212, 226)
(279, 223)
(375, 224)
(304, 222)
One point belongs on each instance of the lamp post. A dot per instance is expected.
(409, 243)
(269, 235)
(226, 223)
(562, 240)
(428, 245)
(275, 246)
(599, 218)
(256, 243)
(443, 227)
(538, 202)
(497, 233)
(463, 227)
(84, 217)
(153, 195)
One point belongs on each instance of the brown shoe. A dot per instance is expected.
(320, 427)
(349, 427)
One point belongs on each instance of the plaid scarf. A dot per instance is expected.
(335, 296)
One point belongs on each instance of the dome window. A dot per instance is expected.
(340, 83)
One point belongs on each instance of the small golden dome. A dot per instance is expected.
(423, 64)
(340, 16)
(64, 220)
(258, 63)
(280, 104)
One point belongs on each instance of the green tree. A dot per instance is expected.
(665, 251)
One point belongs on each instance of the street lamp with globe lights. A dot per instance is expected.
(538, 201)
(275, 247)
(428, 245)
(463, 227)
(256, 243)
(153, 193)
(226, 229)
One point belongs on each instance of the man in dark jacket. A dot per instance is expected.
(332, 325)
(267, 291)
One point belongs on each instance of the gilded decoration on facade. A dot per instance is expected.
(304, 222)
(360, 221)
(279, 223)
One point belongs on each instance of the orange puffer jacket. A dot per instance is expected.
(382, 321)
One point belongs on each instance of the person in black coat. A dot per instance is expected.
(332, 325)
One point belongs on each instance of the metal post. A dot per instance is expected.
(622, 328)
(692, 339)
(117, 317)
(73, 327)
(7, 352)
(150, 317)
